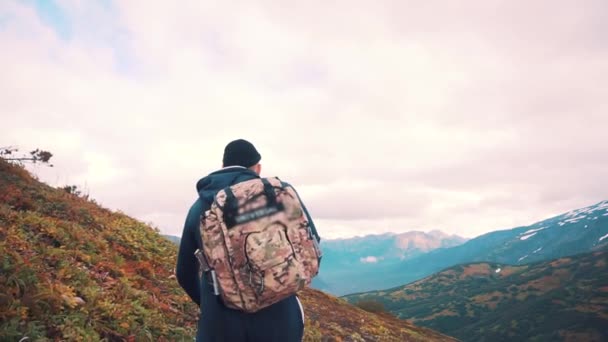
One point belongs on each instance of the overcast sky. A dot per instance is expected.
(462, 116)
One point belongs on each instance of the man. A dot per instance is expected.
(283, 321)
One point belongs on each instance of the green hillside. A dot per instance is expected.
(72, 270)
(561, 300)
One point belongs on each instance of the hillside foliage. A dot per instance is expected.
(331, 319)
(71, 270)
(560, 300)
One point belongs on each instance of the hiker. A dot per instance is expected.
(282, 321)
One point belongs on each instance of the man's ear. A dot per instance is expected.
(257, 168)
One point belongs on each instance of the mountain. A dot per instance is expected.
(344, 260)
(72, 270)
(578, 231)
(175, 239)
(560, 300)
(388, 246)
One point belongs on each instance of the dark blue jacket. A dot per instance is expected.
(282, 321)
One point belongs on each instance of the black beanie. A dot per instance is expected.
(242, 153)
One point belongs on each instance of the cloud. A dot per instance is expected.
(386, 116)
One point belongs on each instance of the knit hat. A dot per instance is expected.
(242, 153)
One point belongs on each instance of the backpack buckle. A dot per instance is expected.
(202, 260)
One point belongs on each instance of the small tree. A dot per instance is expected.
(371, 306)
(36, 156)
(72, 189)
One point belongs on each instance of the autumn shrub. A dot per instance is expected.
(371, 306)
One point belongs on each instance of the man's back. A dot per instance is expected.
(282, 321)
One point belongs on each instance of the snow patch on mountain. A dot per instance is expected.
(575, 219)
(538, 250)
(588, 210)
(526, 237)
(522, 258)
(572, 220)
(603, 237)
(534, 230)
(498, 270)
(370, 259)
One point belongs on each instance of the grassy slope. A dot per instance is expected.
(332, 319)
(71, 270)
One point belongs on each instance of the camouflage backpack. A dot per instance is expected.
(258, 246)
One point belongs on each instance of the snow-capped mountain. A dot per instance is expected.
(574, 232)
(578, 231)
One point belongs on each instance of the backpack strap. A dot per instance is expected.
(231, 207)
(269, 192)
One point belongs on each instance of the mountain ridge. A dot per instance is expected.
(576, 231)
(345, 260)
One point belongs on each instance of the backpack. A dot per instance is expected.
(257, 244)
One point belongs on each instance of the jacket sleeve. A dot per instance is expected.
(187, 265)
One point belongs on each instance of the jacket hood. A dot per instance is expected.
(210, 185)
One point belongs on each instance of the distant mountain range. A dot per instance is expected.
(578, 231)
(565, 299)
(345, 260)
(175, 239)
(401, 246)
